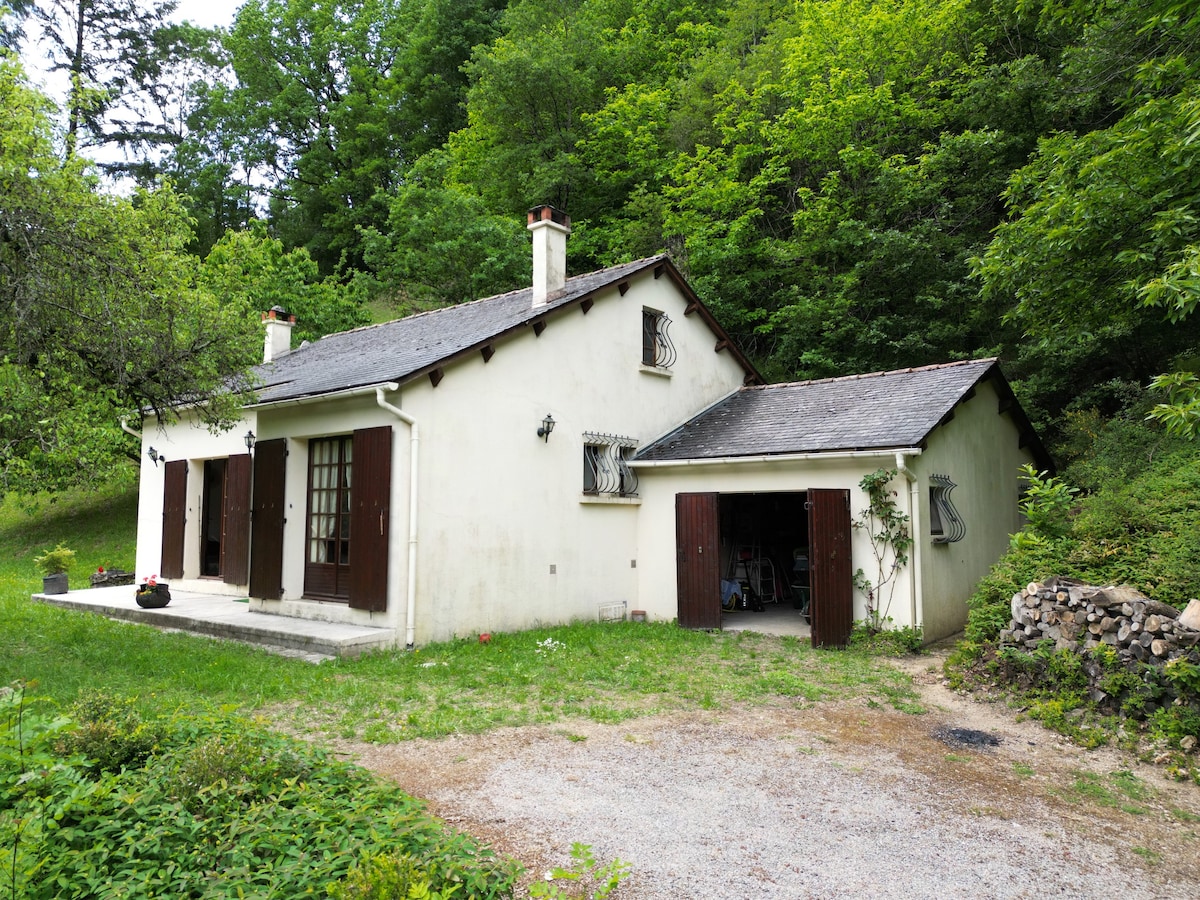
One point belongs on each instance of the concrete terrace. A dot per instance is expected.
(230, 619)
(223, 617)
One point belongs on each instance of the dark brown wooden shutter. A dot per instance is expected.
(235, 539)
(832, 604)
(370, 518)
(698, 559)
(174, 519)
(266, 532)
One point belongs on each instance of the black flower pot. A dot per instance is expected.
(55, 584)
(153, 596)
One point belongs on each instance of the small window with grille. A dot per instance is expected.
(945, 524)
(657, 349)
(606, 468)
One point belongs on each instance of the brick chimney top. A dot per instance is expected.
(278, 323)
(546, 213)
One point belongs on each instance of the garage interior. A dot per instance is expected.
(765, 563)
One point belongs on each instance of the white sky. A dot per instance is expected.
(208, 13)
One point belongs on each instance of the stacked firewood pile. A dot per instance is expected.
(1079, 616)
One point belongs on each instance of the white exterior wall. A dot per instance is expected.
(506, 537)
(979, 451)
(656, 532)
(188, 440)
(508, 540)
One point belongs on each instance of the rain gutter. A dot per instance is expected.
(414, 457)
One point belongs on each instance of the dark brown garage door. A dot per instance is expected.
(832, 611)
(698, 563)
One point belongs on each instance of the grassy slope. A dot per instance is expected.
(605, 673)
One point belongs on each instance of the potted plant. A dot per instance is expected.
(54, 565)
(152, 594)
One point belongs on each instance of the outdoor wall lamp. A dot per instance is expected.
(155, 456)
(249, 439)
(547, 427)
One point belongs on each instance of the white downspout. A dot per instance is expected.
(125, 428)
(414, 456)
(914, 508)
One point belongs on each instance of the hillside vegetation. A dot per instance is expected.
(1126, 511)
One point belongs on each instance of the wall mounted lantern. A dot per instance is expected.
(155, 456)
(547, 427)
(249, 439)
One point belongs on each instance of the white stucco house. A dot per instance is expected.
(587, 444)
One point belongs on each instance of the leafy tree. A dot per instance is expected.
(432, 83)
(845, 187)
(249, 269)
(189, 60)
(529, 88)
(13, 15)
(1097, 259)
(441, 245)
(101, 311)
(109, 50)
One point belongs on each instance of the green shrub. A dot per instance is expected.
(1102, 453)
(234, 769)
(1067, 715)
(281, 820)
(55, 562)
(1046, 504)
(1141, 526)
(888, 642)
(110, 731)
(387, 877)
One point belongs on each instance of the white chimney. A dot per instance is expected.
(278, 323)
(550, 229)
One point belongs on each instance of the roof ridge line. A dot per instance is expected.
(646, 260)
(880, 374)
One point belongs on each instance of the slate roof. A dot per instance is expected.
(407, 348)
(882, 410)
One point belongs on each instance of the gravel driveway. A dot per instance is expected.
(826, 800)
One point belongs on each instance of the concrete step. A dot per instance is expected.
(224, 617)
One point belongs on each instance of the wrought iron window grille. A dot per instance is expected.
(606, 464)
(657, 348)
(945, 524)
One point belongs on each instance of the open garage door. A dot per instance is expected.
(698, 559)
(713, 531)
(832, 610)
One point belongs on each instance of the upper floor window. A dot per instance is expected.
(606, 465)
(657, 349)
(945, 524)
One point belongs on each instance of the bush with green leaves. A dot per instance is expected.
(55, 562)
(274, 817)
(110, 731)
(387, 877)
(1046, 505)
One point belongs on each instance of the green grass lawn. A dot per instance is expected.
(175, 767)
(606, 673)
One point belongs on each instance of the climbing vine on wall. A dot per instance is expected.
(891, 540)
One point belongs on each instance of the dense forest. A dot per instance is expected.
(851, 185)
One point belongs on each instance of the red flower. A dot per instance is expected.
(100, 569)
